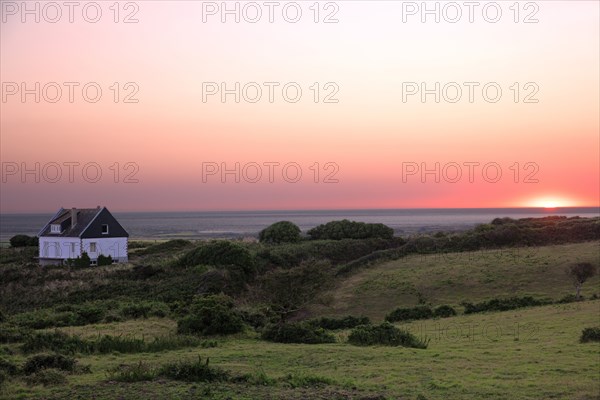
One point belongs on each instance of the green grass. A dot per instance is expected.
(531, 353)
(452, 278)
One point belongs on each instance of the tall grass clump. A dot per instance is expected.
(193, 371)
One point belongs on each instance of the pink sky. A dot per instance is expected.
(370, 136)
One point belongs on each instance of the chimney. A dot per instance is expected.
(73, 217)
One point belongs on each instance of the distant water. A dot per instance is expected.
(235, 224)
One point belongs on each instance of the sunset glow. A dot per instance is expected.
(375, 145)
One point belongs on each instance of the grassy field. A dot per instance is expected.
(456, 277)
(532, 353)
(529, 353)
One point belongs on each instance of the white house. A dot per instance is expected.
(92, 230)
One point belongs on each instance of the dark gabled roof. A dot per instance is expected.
(88, 224)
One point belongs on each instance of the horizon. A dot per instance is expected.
(545, 209)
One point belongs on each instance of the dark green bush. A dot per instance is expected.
(56, 341)
(511, 303)
(60, 342)
(297, 333)
(384, 334)
(347, 322)
(83, 261)
(24, 241)
(211, 315)
(42, 361)
(590, 335)
(444, 311)
(280, 232)
(164, 247)
(197, 371)
(144, 309)
(13, 334)
(346, 229)
(46, 377)
(8, 367)
(220, 253)
(335, 251)
(408, 314)
(104, 260)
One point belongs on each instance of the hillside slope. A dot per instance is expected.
(455, 277)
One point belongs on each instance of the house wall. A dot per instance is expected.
(116, 247)
(59, 247)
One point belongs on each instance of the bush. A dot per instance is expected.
(104, 260)
(43, 361)
(384, 334)
(8, 367)
(280, 232)
(407, 314)
(193, 371)
(62, 343)
(590, 335)
(347, 322)
(83, 261)
(511, 303)
(297, 333)
(220, 253)
(346, 229)
(211, 315)
(47, 377)
(444, 312)
(23, 241)
(57, 341)
(144, 309)
(131, 373)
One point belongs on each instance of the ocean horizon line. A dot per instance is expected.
(548, 209)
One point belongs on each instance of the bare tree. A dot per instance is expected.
(580, 273)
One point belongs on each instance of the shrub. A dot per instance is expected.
(511, 303)
(346, 229)
(444, 311)
(131, 373)
(280, 232)
(347, 322)
(83, 261)
(197, 371)
(211, 315)
(407, 314)
(590, 335)
(104, 260)
(54, 341)
(13, 334)
(47, 377)
(297, 333)
(144, 309)
(384, 334)
(23, 241)
(8, 367)
(89, 314)
(164, 247)
(220, 253)
(42, 361)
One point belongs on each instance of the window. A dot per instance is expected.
(55, 228)
(72, 248)
(105, 229)
(92, 247)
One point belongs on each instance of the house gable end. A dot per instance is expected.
(95, 227)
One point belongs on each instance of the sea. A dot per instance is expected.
(247, 224)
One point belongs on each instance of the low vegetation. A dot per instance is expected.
(301, 317)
